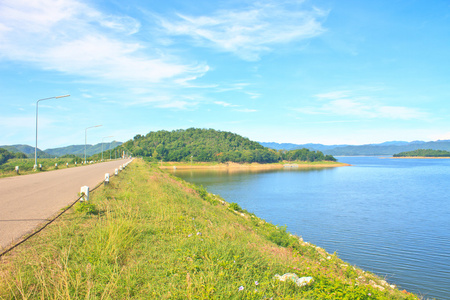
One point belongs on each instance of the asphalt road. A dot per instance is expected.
(29, 200)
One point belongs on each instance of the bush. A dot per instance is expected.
(86, 207)
(235, 206)
(281, 237)
(203, 193)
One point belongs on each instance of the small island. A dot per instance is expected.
(423, 153)
(196, 147)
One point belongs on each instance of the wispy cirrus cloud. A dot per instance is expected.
(231, 87)
(71, 37)
(246, 110)
(165, 99)
(235, 107)
(333, 95)
(225, 104)
(250, 32)
(343, 103)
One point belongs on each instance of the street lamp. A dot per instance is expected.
(37, 106)
(102, 143)
(85, 140)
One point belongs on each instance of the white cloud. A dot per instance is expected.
(97, 56)
(225, 104)
(401, 112)
(166, 99)
(253, 95)
(341, 103)
(333, 95)
(123, 24)
(74, 38)
(232, 87)
(177, 104)
(250, 33)
(246, 110)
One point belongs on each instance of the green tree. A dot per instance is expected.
(210, 145)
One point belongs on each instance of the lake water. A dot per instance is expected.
(388, 216)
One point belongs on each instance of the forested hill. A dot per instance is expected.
(424, 153)
(5, 155)
(210, 145)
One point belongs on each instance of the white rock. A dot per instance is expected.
(293, 277)
(304, 281)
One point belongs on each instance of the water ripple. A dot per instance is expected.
(391, 217)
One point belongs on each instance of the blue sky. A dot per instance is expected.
(325, 71)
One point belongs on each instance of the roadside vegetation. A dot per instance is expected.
(423, 153)
(6, 155)
(48, 164)
(149, 235)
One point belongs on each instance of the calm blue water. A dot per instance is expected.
(387, 216)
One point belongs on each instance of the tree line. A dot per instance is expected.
(209, 145)
(5, 155)
(424, 153)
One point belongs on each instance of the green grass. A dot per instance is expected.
(148, 235)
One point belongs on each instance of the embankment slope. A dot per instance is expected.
(149, 235)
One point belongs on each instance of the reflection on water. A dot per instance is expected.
(388, 216)
(228, 171)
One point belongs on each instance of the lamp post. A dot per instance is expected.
(37, 106)
(85, 140)
(102, 143)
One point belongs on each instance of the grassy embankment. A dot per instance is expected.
(149, 235)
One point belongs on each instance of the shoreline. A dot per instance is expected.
(252, 166)
(421, 157)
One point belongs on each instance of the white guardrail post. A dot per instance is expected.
(106, 178)
(84, 193)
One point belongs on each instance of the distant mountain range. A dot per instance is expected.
(73, 149)
(79, 149)
(386, 148)
(289, 146)
(27, 150)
